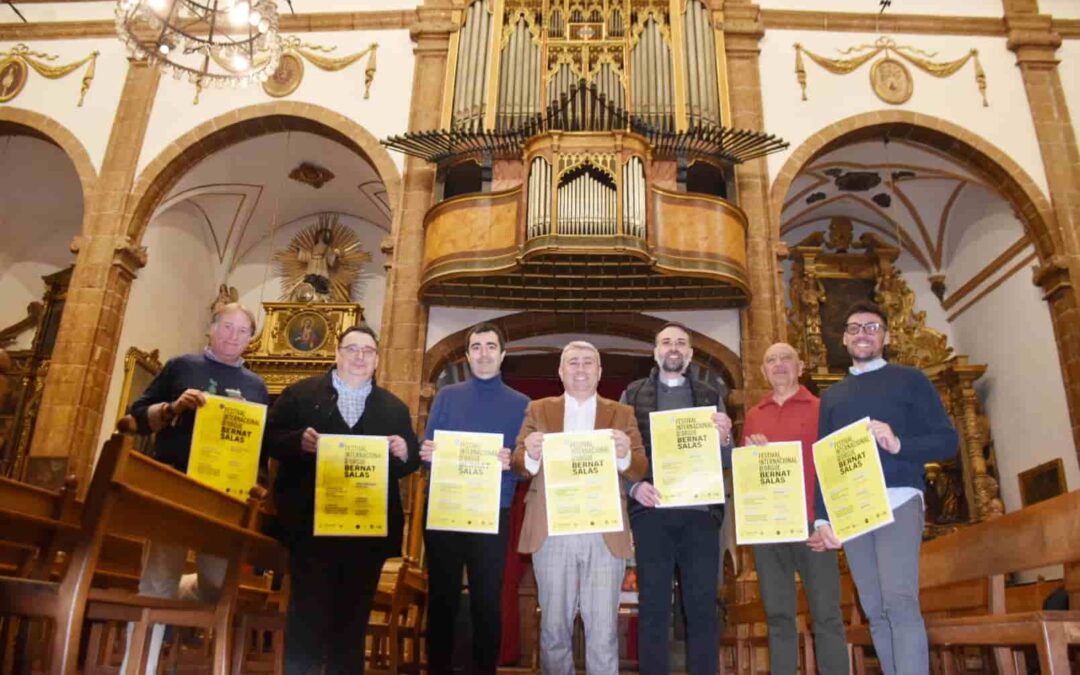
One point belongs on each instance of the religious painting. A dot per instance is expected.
(841, 294)
(1042, 482)
(140, 369)
(307, 331)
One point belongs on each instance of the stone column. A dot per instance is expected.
(762, 324)
(73, 399)
(1032, 38)
(404, 324)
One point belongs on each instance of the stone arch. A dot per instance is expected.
(707, 352)
(158, 177)
(1001, 172)
(20, 122)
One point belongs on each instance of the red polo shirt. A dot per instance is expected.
(795, 420)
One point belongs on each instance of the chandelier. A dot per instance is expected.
(221, 43)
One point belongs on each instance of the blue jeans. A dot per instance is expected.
(690, 540)
(885, 567)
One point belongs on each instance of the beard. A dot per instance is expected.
(673, 363)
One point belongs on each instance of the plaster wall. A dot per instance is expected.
(58, 99)
(1006, 123)
(1022, 390)
(1060, 9)
(169, 305)
(42, 214)
(385, 113)
(981, 227)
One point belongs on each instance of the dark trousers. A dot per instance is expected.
(484, 556)
(333, 584)
(776, 567)
(690, 540)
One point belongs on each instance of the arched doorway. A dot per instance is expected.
(48, 178)
(969, 223)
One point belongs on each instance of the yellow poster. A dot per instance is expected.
(466, 481)
(225, 444)
(852, 483)
(686, 464)
(581, 483)
(351, 476)
(770, 495)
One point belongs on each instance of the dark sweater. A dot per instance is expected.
(191, 371)
(313, 403)
(904, 398)
(485, 406)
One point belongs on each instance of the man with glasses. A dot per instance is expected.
(483, 403)
(911, 428)
(334, 578)
(167, 408)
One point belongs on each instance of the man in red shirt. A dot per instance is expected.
(790, 413)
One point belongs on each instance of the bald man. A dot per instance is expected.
(790, 413)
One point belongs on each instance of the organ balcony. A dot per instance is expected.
(585, 208)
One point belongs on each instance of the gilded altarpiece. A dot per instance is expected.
(832, 270)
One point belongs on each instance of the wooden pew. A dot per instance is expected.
(132, 496)
(397, 619)
(1047, 533)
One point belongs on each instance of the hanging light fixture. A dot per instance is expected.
(211, 42)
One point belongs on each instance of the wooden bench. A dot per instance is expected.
(398, 614)
(977, 559)
(132, 496)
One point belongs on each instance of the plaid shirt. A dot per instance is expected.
(350, 401)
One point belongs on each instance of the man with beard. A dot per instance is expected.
(911, 428)
(687, 538)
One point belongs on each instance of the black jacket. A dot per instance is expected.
(313, 403)
(641, 396)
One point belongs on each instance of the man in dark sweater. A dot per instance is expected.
(685, 537)
(911, 428)
(168, 407)
(485, 404)
(334, 578)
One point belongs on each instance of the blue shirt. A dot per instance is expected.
(350, 402)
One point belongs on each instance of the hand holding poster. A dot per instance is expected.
(770, 496)
(225, 444)
(852, 483)
(686, 464)
(466, 481)
(581, 483)
(351, 477)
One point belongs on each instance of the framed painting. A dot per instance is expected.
(307, 331)
(1042, 482)
(140, 368)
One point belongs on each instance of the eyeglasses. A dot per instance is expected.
(356, 350)
(870, 328)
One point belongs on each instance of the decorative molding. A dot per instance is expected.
(15, 62)
(986, 272)
(290, 71)
(301, 23)
(989, 289)
(1053, 276)
(129, 257)
(848, 22)
(311, 174)
(889, 78)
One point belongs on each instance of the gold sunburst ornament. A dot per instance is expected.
(322, 262)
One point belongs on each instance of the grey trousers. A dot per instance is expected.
(162, 569)
(578, 573)
(820, 574)
(885, 567)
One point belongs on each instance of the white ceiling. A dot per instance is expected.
(920, 193)
(244, 194)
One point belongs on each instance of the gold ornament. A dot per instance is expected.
(13, 70)
(322, 262)
(290, 70)
(889, 78)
